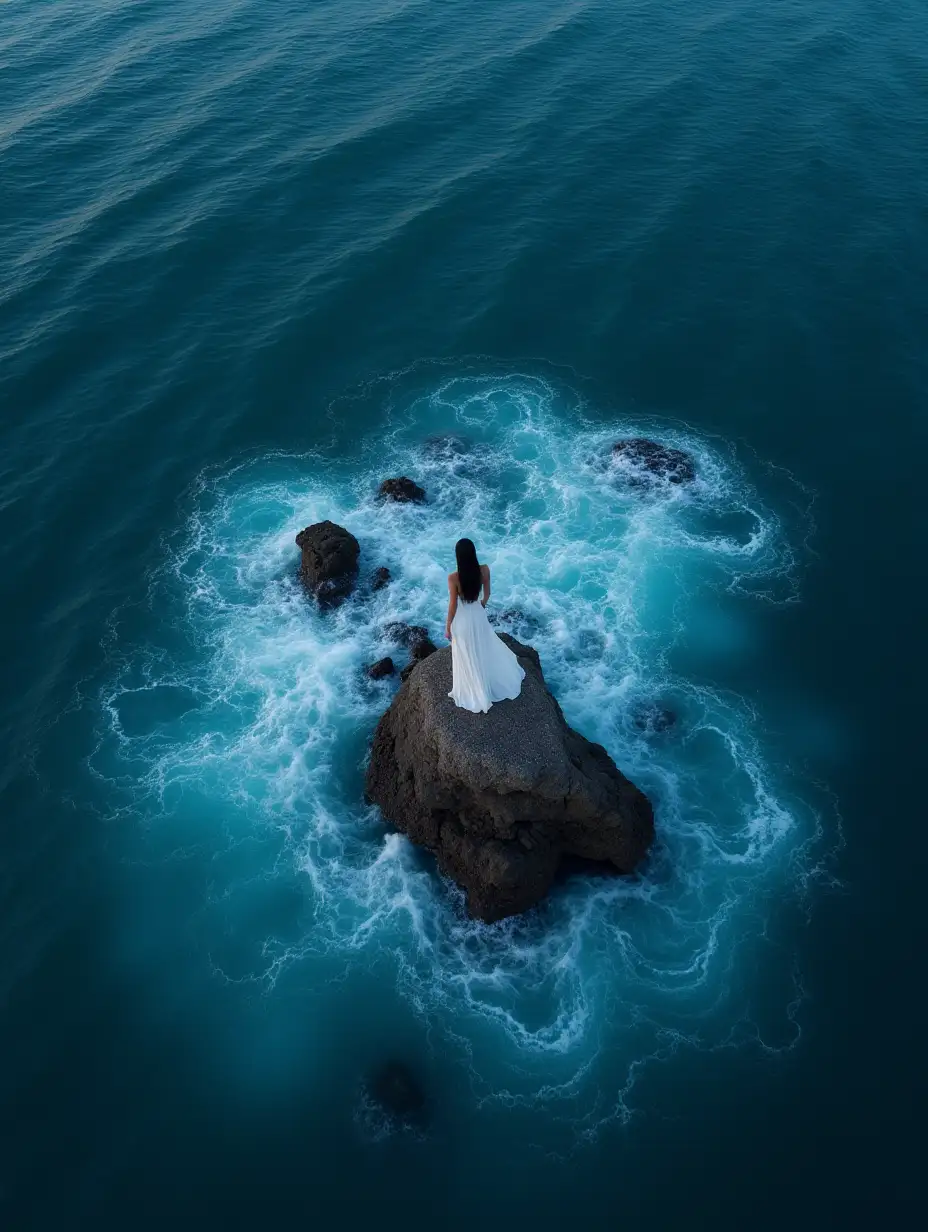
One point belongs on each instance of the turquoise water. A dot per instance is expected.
(255, 259)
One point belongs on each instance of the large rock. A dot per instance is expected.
(330, 561)
(649, 460)
(501, 798)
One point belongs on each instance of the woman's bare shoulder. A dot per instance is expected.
(452, 579)
(485, 570)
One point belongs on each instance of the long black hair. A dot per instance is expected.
(469, 577)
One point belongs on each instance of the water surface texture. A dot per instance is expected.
(255, 258)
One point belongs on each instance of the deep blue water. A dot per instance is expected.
(253, 256)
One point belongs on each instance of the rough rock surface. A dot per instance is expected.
(330, 561)
(420, 651)
(501, 798)
(423, 653)
(380, 578)
(403, 490)
(649, 459)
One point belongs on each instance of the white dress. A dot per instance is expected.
(483, 669)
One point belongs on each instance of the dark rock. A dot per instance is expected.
(380, 578)
(647, 460)
(405, 635)
(330, 561)
(579, 866)
(380, 669)
(397, 1093)
(420, 651)
(416, 640)
(652, 718)
(501, 798)
(403, 490)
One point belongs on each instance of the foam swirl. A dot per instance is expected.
(238, 725)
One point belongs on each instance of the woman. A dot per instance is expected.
(484, 670)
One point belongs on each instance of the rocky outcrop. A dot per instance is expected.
(329, 566)
(647, 460)
(403, 490)
(381, 669)
(502, 798)
(380, 578)
(415, 639)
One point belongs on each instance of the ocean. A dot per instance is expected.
(257, 257)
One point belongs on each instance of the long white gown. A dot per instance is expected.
(484, 670)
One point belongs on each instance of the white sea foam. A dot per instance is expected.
(241, 718)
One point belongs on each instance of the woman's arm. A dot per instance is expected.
(452, 602)
(485, 570)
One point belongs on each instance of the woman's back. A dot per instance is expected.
(454, 579)
(484, 669)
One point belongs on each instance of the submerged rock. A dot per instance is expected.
(448, 443)
(403, 490)
(397, 1094)
(380, 669)
(380, 578)
(329, 566)
(515, 618)
(649, 459)
(652, 718)
(501, 798)
(405, 635)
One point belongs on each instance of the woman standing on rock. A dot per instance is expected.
(484, 670)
